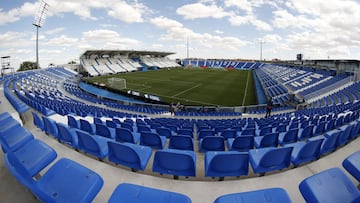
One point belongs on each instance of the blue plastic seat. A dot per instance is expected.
(104, 131)
(125, 193)
(248, 131)
(331, 186)
(319, 129)
(87, 126)
(205, 133)
(330, 141)
(264, 131)
(268, 140)
(93, 144)
(185, 132)
(221, 164)
(67, 135)
(73, 122)
(34, 156)
(130, 155)
(125, 135)
(143, 128)
(281, 128)
(355, 132)
(166, 132)
(241, 143)
(212, 143)
(352, 164)
(270, 159)
(273, 195)
(228, 133)
(182, 142)
(8, 123)
(307, 132)
(38, 122)
(304, 152)
(152, 140)
(13, 138)
(175, 162)
(65, 181)
(50, 127)
(111, 124)
(288, 137)
(344, 136)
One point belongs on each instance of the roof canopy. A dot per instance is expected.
(125, 52)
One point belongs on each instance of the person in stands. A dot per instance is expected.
(269, 106)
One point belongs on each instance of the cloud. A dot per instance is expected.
(54, 31)
(200, 10)
(14, 39)
(165, 23)
(127, 12)
(62, 41)
(106, 39)
(250, 19)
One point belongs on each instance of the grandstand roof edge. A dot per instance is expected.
(125, 52)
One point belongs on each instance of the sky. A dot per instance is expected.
(224, 29)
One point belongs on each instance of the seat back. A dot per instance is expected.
(265, 131)
(248, 131)
(307, 132)
(175, 162)
(122, 154)
(102, 130)
(110, 124)
(127, 126)
(320, 128)
(72, 122)
(185, 132)
(277, 157)
(270, 140)
(291, 136)
(38, 122)
(311, 150)
(281, 128)
(212, 143)
(330, 143)
(86, 126)
(243, 143)
(124, 135)
(151, 139)
(226, 164)
(65, 134)
(182, 142)
(50, 127)
(228, 133)
(87, 142)
(166, 132)
(205, 132)
(344, 135)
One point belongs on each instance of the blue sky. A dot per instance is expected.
(229, 29)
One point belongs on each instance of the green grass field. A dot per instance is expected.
(191, 86)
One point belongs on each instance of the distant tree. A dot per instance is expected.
(72, 62)
(27, 65)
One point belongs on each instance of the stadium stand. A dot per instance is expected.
(40, 91)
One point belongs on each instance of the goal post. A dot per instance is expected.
(117, 83)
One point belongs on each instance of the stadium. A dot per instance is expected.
(139, 126)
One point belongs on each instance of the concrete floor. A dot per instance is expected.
(200, 190)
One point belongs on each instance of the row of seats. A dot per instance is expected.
(217, 162)
(27, 157)
(80, 184)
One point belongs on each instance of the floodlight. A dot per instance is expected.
(38, 23)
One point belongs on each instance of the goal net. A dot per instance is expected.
(117, 83)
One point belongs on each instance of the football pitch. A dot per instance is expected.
(191, 86)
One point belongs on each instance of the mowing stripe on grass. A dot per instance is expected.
(182, 92)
